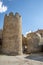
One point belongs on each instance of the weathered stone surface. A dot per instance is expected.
(0, 34)
(24, 44)
(12, 34)
(12, 41)
(40, 32)
(33, 43)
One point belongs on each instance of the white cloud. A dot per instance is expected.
(27, 33)
(3, 8)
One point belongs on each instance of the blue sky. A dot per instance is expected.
(30, 10)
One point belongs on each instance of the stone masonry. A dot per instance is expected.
(12, 34)
(33, 41)
(12, 42)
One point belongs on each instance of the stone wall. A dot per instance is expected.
(0, 34)
(40, 32)
(24, 44)
(12, 42)
(12, 34)
(33, 41)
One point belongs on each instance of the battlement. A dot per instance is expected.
(12, 34)
(17, 15)
(11, 15)
(11, 19)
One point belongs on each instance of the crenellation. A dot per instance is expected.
(12, 35)
(11, 14)
(12, 42)
(17, 15)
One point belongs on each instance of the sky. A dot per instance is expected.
(30, 10)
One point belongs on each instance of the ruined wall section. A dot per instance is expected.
(12, 34)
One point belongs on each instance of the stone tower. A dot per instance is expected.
(12, 34)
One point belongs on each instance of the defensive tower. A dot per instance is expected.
(12, 34)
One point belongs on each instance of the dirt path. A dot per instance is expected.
(33, 59)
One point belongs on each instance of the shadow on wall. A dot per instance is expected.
(35, 57)
(0, 42)
(0, 45)
(41, 48)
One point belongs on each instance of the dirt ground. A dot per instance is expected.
(32, 59)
